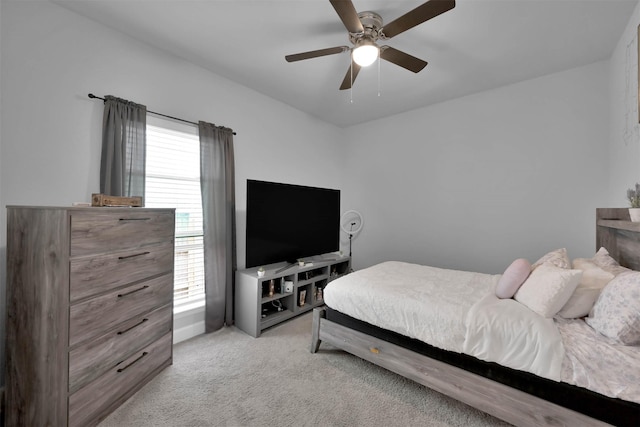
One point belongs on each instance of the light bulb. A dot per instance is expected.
(365, 54)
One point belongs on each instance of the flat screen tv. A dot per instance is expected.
(288, 222)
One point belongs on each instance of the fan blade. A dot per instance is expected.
(417, 16)
(348, 14)
(402, 59)
(316, 53)
(350, 77)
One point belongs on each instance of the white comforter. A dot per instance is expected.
(452, 310)
(458, 311)
(506, 332)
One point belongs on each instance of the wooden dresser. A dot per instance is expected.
(90, 310)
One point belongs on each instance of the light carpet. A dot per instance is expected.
(228, 378)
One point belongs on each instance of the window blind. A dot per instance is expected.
(173, 181)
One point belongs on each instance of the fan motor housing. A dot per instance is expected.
(372, 23)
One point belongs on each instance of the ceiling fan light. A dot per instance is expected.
(365, 54)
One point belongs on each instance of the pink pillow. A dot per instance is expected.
(512, 278)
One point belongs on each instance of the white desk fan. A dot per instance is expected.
(351, 222)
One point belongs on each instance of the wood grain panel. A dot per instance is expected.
(37, 317)
(105, 329)
(620, 236)
(628, 249)
(90, 276)
(504, 402)
(112, 229)
(315, 329)
(90, 318)
(91, 404)
(620, 224)
(91, 360)
(613, 213)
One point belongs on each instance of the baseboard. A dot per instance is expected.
(188, 323)
(186, 332)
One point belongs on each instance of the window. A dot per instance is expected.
(173, 181)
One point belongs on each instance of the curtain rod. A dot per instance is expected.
(92, 96)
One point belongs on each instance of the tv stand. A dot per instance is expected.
(286, 267)
(262, 302)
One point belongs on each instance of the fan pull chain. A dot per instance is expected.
(378, 74)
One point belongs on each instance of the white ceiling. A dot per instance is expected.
(479, 45)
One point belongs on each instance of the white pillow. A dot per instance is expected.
(616, 313)
(603, 259)
(548, 288)
(583, 264)
(558, 257)
(581, 301)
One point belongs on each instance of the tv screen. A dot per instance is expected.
(287, 222)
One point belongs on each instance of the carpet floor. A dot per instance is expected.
(228, 378)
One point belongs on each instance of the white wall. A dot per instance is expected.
(51, 60)
(476, 182)
(624, 140)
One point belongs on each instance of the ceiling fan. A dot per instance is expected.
(366, 28)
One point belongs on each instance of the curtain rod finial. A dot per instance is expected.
(92, 96)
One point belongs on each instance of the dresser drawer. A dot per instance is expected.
(98, 398)
(107, 230)
(90, 360)
(93, 275)
(96, 316)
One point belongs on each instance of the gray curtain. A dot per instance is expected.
(122, 167)
(217, 183)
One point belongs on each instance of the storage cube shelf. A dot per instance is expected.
(262, 302)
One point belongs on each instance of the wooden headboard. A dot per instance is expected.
(620, 236)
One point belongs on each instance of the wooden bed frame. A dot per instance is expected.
(614, 231)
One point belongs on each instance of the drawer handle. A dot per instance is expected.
(133, 291)
(134, 219)
(134, 326)
(134, 255)
(130, 364)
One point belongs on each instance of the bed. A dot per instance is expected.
(545, 377)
